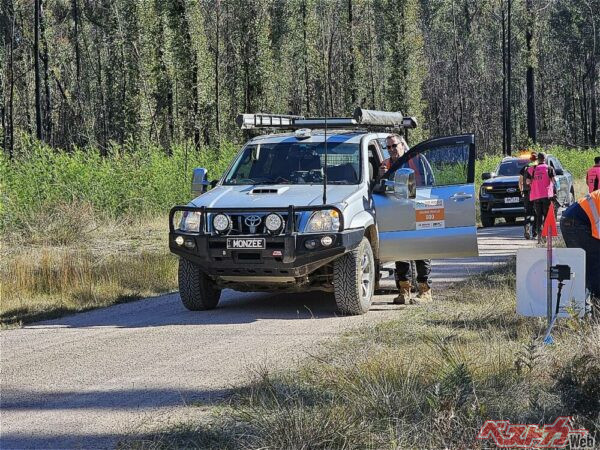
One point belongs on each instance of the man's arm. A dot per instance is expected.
(521, 183)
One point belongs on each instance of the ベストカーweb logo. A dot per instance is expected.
(556, 435)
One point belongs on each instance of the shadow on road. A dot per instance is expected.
(234, 307)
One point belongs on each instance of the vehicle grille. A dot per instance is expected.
(504, 191)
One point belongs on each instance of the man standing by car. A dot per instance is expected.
(580, 228)
(593, 176)
(397, 146)
(542, 190)
(525, 188)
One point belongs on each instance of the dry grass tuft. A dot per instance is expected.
(114, 263)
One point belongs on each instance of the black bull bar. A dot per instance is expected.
(290, 226)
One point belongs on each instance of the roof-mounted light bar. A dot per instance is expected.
(248, 121)
(363, 118)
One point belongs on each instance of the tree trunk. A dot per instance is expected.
(48, 98)
(352, 75)
(75, 14)
(9, 143)
(457, 68)
(531, 113)
(217, 51)
(305, 40)
(593, 81)
(509, 83)
(504, 91)
(36, 56)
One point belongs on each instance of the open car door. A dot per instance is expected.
(439, 220)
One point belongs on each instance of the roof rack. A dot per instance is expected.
(363, 118)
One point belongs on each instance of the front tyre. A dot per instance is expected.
(354, 280)
(487, 221)
(197, 291)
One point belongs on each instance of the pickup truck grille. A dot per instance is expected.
(505, 191)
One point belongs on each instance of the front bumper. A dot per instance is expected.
(285, 258)
(496, 207)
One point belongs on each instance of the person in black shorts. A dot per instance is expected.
(525, 187)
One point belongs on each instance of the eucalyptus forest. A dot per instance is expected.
(95, 73)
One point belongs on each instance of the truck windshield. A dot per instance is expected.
(511, 168)
(296, 162)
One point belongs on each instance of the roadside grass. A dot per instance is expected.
(427, 380)
(116, 262)
(79, 230)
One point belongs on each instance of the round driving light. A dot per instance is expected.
(221, 223)
(326, 241)
(189, 243)
(179, 240)
(273, 222)
(312, 244)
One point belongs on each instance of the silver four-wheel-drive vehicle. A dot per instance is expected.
(305, 210)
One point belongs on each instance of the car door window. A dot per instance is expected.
(557, 164)
(446, 165)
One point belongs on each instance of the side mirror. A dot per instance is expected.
(199, 182)
(559, 171)
(487, 175)
(405, 185)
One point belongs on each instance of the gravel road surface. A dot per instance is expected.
(90, 379)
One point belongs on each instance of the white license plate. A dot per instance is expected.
(245, 243)
(512, 200)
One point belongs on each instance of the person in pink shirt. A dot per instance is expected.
(593, 176)
(542, 191)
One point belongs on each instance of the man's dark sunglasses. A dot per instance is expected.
(393, 145)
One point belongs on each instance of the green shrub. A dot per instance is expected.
(129, 180)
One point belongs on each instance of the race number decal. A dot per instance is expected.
(429, 214)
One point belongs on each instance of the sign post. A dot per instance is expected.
(549, 231)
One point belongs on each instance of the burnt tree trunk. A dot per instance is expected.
(36, 68)
(531, 112)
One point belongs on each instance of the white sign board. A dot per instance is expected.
(532, 281)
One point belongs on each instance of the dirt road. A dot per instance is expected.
(88, 380)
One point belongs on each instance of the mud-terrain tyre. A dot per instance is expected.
(487, 221)
(197, 291)
(354, 280)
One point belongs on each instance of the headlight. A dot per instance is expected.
(190, 221)
(274, 222)
(221, 223)
(323, 221)
(485, 191)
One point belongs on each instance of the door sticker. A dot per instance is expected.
(429, 213)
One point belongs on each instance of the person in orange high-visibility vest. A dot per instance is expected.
(593, 176)
(397, 146)
(580, 228)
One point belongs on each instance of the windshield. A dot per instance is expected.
(297, 162)
(511, 168)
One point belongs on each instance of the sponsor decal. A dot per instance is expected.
(559, 434)
(429, 214)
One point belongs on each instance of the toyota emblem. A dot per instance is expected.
(252, 221)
